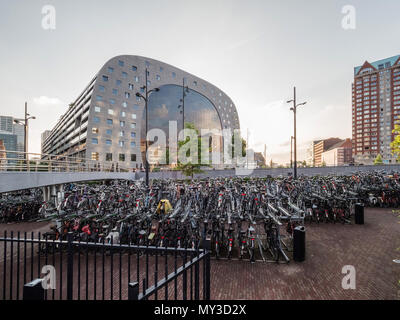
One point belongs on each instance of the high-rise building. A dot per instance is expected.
(44, 136)
(8, 126)
(107, 121)
(375, 109)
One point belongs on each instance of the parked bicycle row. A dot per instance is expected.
(247, 218)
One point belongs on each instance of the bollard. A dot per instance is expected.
(359, 213)
(34, 291)
(133, 291)
(299, 244)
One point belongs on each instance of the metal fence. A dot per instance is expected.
(39, 268)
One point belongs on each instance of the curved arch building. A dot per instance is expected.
(107, 121)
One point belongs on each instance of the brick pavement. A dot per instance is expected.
(370, 248)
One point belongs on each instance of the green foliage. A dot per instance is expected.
(378, 160)
(395, 145)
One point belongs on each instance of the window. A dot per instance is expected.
(108, 156)
(127, 95)
(97, 109)
(95, 156)
(105, 78)
(110, 70)
(95, 141)
(108, 142)
(136, 79)
(133, 116)
(134, 68)
(114, 92)
(158, 77)
(96, 119)
(173, 75)
(124, 75)
(102, 89)
(120, 63)
(141, 89)
(122, 123)
(99, 98)
(130, 86)
(118, 82)
(109, 131)
(112, 101)
(124, 104)
(121, 144)
(137, 98)
(133, 144)
(133, 125)
(111, 112)
(95, 130)
(148, 83)
(133, 134)
(161, 69)
(133, 157)
(123, 114)
(122, 157)
(109, 121)
(147, 63)
(121, 133)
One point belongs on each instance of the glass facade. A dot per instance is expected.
(163, 106)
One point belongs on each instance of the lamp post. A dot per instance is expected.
(294, 108)
(145, 98)
(25, 123)
(185, 89)
(291, 151)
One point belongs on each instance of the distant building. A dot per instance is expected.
(339, 154)
(375, 109)
(320, 146)
(7, 126)
(44, 136)
(9, 141)
(3, 156)
(259, 159)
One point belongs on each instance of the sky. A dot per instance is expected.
(256, 51)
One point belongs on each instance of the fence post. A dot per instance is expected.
(133, 291)
(70, 266)
(33, 291)
(207, 248)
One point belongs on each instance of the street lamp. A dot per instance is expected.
(145, 98)
(294, 108)
(25, 123)
(185, 89)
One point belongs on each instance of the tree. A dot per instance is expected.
(304, 164)
(271, 164)
(378, 160)
(323, 164)
(395, 145)
(189, 168)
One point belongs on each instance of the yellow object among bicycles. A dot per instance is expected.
(164, 206)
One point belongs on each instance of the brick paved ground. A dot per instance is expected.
(370, 248)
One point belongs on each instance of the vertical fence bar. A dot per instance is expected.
(207, 278)
(32, 256)
(25, 234)
(133, 291)
(53, 251)
(87, 269)
(166, 271)
(46, 261)
(79, 269)
(70, 267)
(137, 264)
(184, 287)
(5, 265)
(147, 262)
(11, 263)
(95, 274)
(156, 274)
(18, 263)
(196, 277)
(175, 278)
(61, 273)
(129, 261)
(38, 254)
(120, 272)
(103, 275)
(112, 271)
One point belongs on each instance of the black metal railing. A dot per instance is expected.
(100, 271)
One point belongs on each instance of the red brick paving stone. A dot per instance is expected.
(370, 248)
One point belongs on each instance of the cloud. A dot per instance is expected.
(45, 101)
